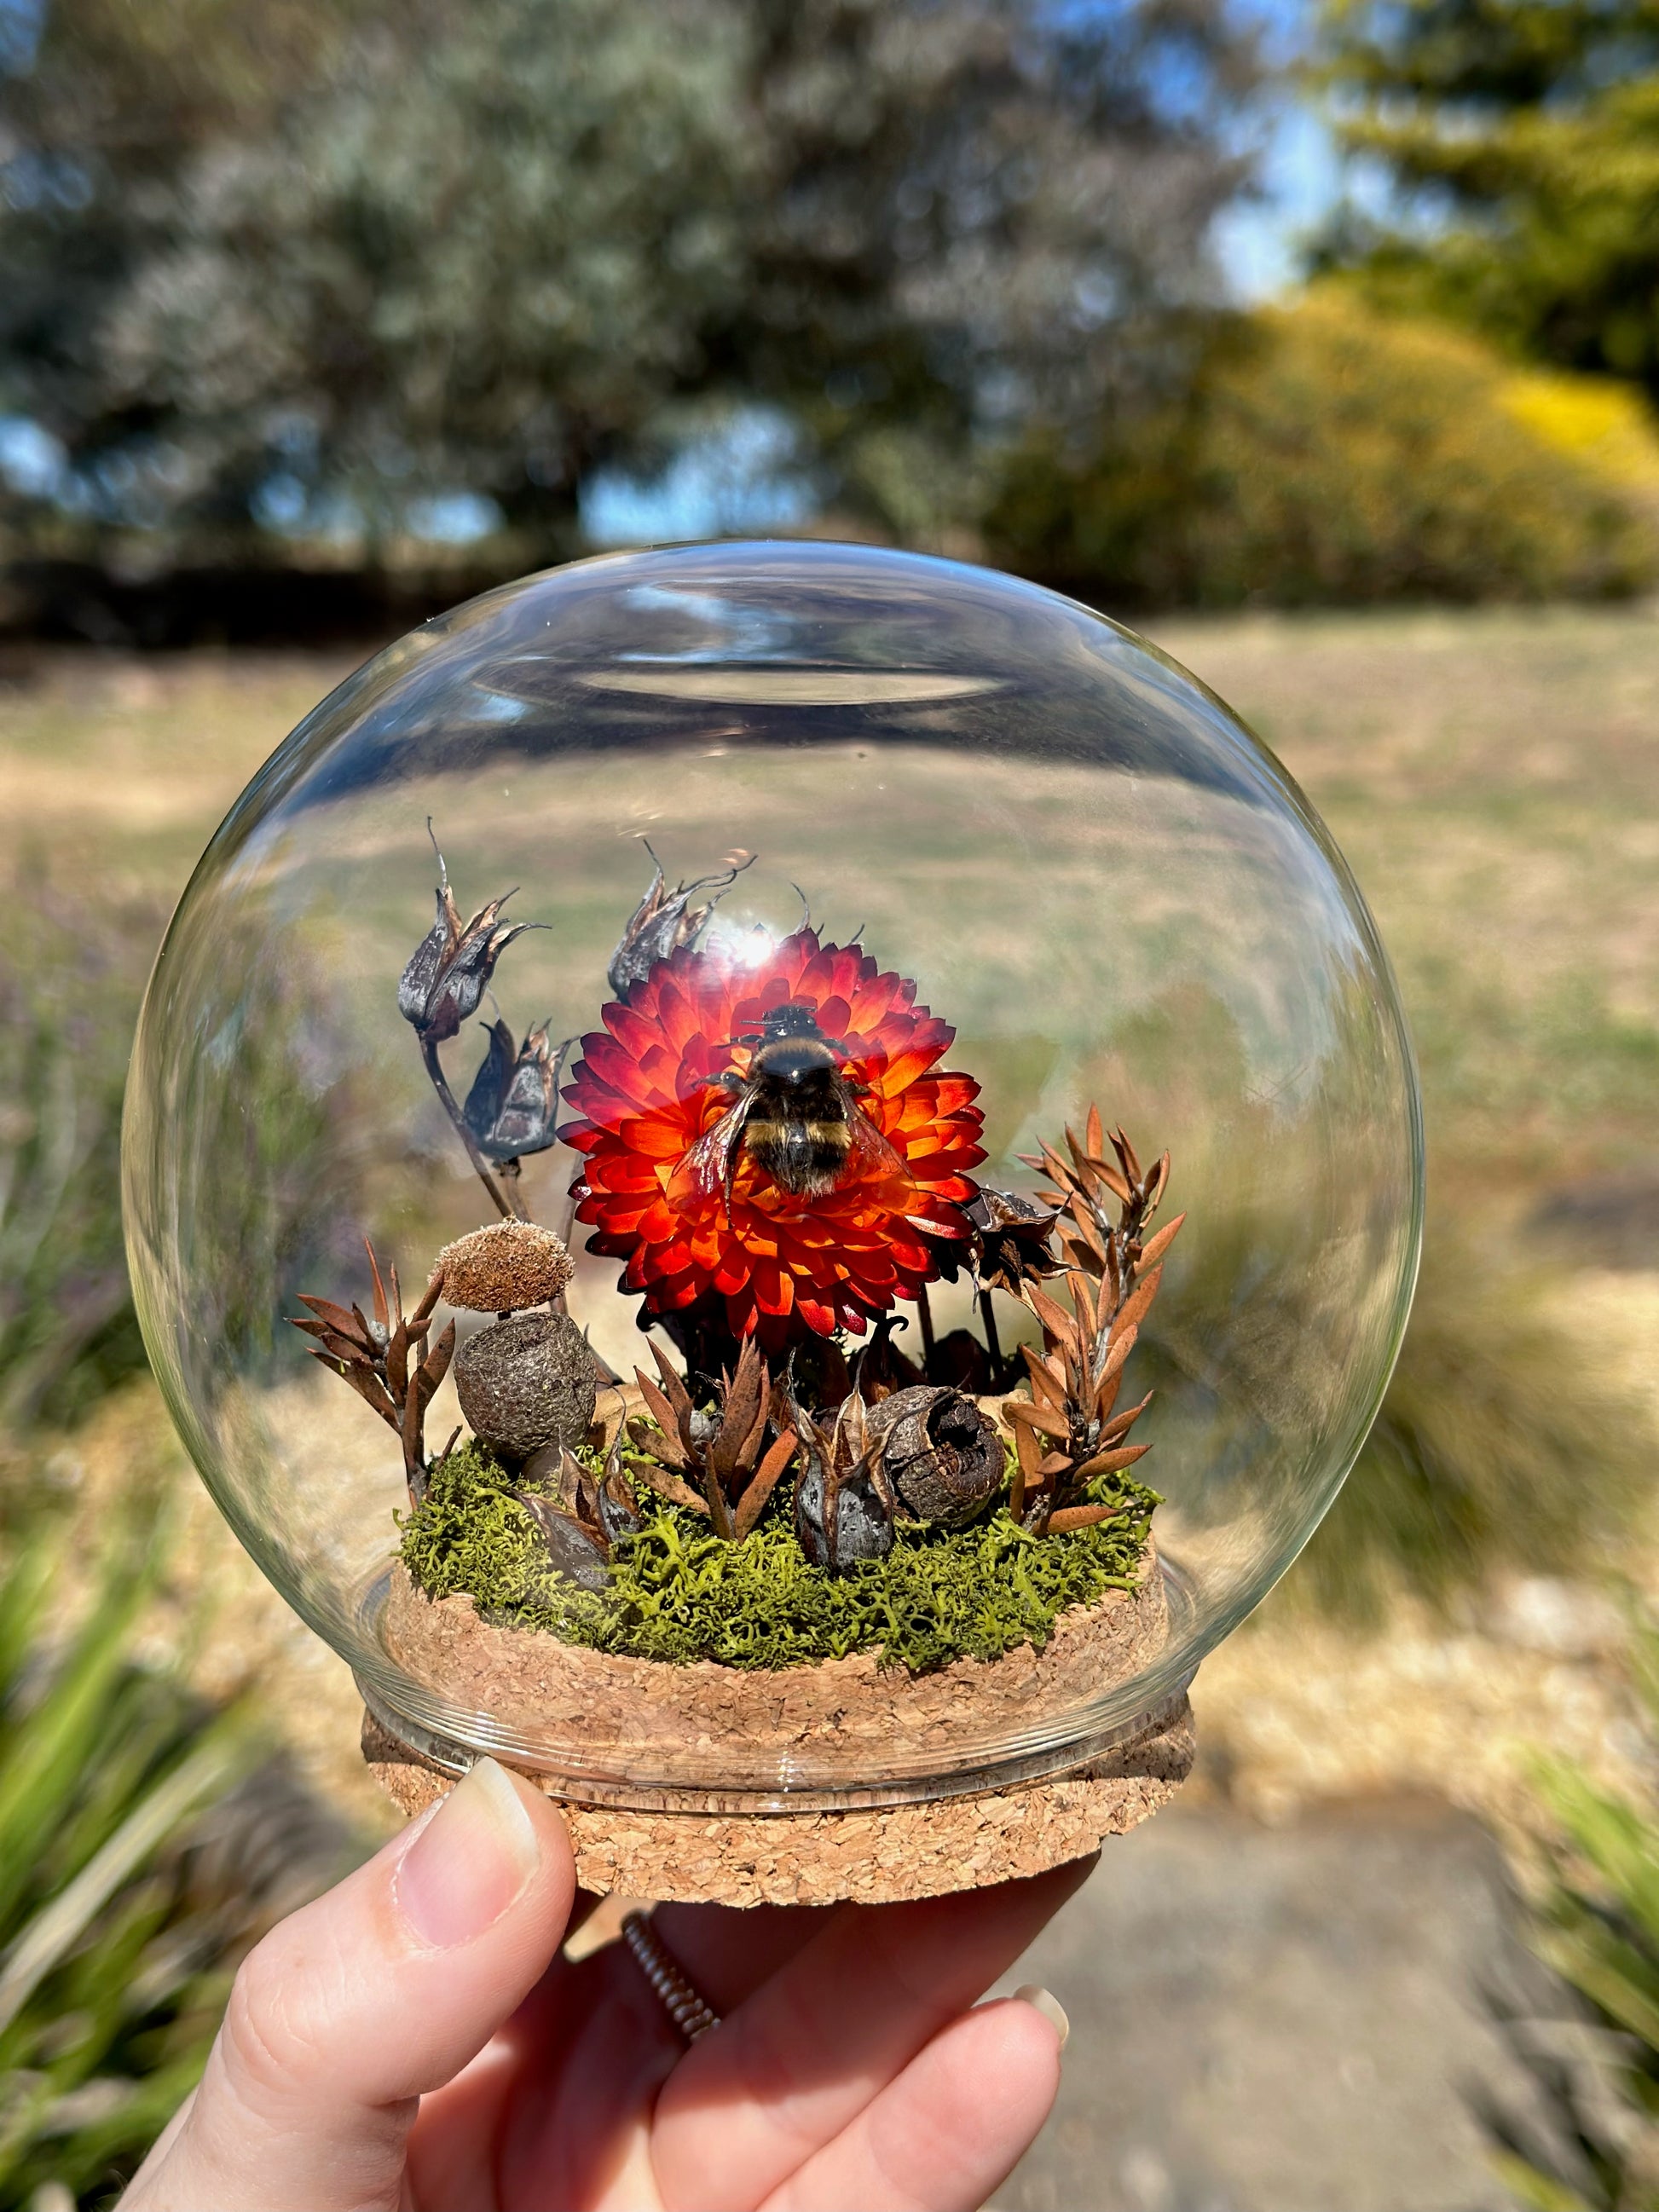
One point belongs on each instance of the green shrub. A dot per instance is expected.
(1496, 1447)
(1326, 454)
(142, 1847)
(1597, 1924)
(71, 978)
(72, 974)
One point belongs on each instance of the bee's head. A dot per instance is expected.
(782, 1023)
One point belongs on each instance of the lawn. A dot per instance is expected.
(1492, 777)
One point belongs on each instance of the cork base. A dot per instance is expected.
(874, 1856)
(853, 1716)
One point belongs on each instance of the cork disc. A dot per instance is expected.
(875, 1856)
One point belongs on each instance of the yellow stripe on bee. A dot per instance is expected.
(816, 1133)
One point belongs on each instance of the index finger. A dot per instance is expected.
(798, 2060)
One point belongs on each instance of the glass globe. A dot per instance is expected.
(1064, 871)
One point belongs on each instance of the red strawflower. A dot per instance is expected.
(780, 1260)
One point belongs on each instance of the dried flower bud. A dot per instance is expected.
(619, 1508)
(452, 965)
(960, 1359)
(504, 1267)
(941, 1453)
(527, 1382)
(581, 1515)
(1011, 1239)
(883, 1369)
(664, 921)
(512, 1109)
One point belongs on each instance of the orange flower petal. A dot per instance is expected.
(781, 1262)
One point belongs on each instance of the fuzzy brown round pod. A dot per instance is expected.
(504, 1267)
(527, 1382)
(942, 1455)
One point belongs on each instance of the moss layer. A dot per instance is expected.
(677, 1594)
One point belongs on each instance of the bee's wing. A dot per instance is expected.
(869, 1148)
(706, 1164)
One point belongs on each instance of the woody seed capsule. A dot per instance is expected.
(527, 1382)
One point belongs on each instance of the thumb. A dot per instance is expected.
(384, 1989)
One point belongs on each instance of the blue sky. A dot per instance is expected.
(1259, 242)
(19, 27)
(1300, 174)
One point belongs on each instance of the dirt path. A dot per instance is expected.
(1286, 2020)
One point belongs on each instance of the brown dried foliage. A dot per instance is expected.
(1069, 1430)
(387, 1361)
(584, 1514)
(713, 1462)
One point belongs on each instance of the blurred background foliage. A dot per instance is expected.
(317, 315)
(1323, 453)
(146, 1842)
(71, 974)
(149, 1834)
(1522, 137)
(412, 298)
(1597, 1923)
(350, 278)
(1496, 1452)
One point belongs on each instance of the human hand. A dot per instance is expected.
(414, 2040)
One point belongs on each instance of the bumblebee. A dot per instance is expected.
(796, 1114)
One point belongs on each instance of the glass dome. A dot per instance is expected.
(989, 861)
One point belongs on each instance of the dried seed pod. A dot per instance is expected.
(961, 1359)
(1011, 1239)
(664, 921)
(844, 1500)
(618, 1508)
(883, 1369)
(449, 970)
(513, 1108)
(504, 1267)
(942, 1455)
(571, 1549)
(603, 1506)
(863, 1522)
(527, 1382)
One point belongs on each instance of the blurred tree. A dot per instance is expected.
(982, 216)
(337, 275)
(413, 266)
(1521, 140)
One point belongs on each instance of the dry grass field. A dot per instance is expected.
(1494, 779)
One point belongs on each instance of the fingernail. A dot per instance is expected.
(470, 1862)
(1046, 2003)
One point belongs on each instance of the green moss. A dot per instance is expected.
(678, 1593)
